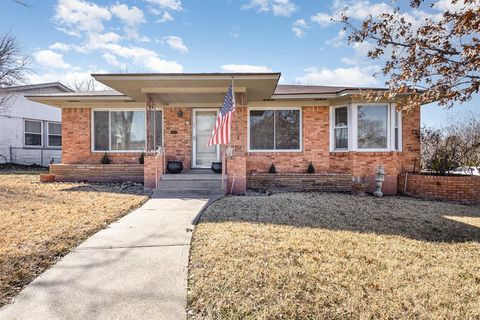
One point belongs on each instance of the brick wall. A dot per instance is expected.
(316, 139)
(98, 172)
(327, 182)
(178, 135)
(464, 189)
(76, 140)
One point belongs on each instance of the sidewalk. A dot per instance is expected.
(134, 269)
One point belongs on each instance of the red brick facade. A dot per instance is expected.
(464, 189)
(177, 137)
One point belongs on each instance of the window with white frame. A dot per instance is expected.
(396, 136)
(275, 129)
(373, 127)
(340, 130)
(54, 138)
(120, 130)
(33, 130)
(372, 124)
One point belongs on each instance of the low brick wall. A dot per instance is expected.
(98, 172)
(300, 182)
(465, 189)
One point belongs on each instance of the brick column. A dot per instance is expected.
(152, 170)
(237, 165)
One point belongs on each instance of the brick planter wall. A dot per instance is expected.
(464, 189)
(98, 172)
(301, 182)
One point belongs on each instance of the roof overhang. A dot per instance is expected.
(63, 100)
(191, 87)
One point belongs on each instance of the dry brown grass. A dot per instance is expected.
(41, 222)
(334, 256)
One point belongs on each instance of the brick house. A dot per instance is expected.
(170, 117)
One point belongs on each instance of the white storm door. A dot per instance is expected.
(203, 125)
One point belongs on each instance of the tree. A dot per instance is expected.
(83, 85)
(454, 146)
(13, 66)
(437, 60)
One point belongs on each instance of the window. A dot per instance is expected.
(158, 129)
(278, 130)
(372, 127)
(340, 128)
(123, 130)
(397, 131)
(33, 133)
(365, 127)
(54, 134)
(127, 130)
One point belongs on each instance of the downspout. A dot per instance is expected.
(405, 184)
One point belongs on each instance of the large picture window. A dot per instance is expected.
(373, 127)
(123, 130)
(275, 130)
(33, 133)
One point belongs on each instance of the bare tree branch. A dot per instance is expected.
(13, 67)
(442, 56)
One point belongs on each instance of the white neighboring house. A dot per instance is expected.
(31, 132)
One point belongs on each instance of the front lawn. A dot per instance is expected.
(335, 256)
(41, 222)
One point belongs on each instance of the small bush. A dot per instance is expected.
(141, 160)
(105, 159)
(310, 168)
(272, 169)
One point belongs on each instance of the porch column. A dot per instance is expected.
(151, 165)
(237, 164)
(150, 109)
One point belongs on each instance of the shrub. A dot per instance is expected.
(105, 159)
(310, 168)
(272, 169)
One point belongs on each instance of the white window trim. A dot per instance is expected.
(332, 125)
(300, 149)
(353, 128)
(92, 129)
(25, 132)
(52, 134)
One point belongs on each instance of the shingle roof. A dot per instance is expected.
(38, 86)
(283, 89)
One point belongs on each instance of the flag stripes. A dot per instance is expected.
(221, 132)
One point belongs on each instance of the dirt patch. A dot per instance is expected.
(330, 256)
(41, 222)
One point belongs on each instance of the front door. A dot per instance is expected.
(203, 125)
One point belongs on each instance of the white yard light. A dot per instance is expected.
(379, 178)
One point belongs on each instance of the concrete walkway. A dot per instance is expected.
(134, 269)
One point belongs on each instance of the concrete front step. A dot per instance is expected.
(188, 193)
(191, 177)
(192, 184)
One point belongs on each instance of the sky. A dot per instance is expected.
(69, 39)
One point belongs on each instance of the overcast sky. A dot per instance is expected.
(69, 39)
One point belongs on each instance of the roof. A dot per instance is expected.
(98, 93)
(180, 88)
(292, 89)
(38, 86)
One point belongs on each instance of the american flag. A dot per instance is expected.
(221, 133)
